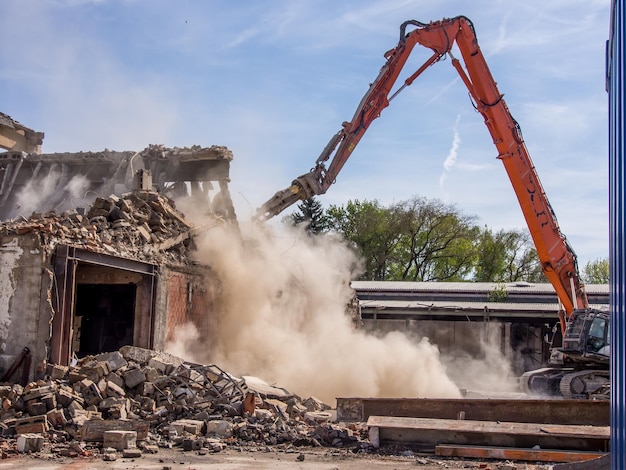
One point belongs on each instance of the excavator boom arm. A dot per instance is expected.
(557, 258)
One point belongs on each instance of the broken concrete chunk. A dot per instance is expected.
(219, 428)
(36, 408)
(161, 365)
(91, 392)
(56, 372)
(29, 442)
(131, 453)
(134, 377)
(93, 430)
(114, 359)
(39, 392)
(114, 390)
(151, 374)
(192, 444)
(57, 418)
(313, 404)
(184, 427)
(263, 414)
(318, 416)
(260, 386)
(120, 440)
(136, 354)
(31, 424)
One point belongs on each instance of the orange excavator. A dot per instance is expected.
(581, 368)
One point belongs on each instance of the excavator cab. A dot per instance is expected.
(587, 337)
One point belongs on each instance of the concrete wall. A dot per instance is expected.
(25, 309)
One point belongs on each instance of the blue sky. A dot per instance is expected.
(273, 80)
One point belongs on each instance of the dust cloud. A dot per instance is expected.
(38, 193)
(283, 320)
(489, 372)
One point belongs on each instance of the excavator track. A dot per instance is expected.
(584, 384)
(542, 382)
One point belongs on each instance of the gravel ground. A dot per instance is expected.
(261, 458)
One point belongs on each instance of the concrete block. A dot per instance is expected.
(93, 430)
(262, 414)
(151, 374)
(39, 392)
(56, 372)
(145, 389)
(120, 440)
(66, 395)
(215, 445)
(36, 408)
(109, 455)
(79, 417)
(50, 401)
(151, 449)
(96, 371)
(135, 354)
(112, 401)
(74, 376)
(29, 442)
(131, 453)
(192, 444)
(115, 390)
(162, 366)
(117, 412)
(219, 428)
(318, 416)
(183, 427)
(134, 377)
(114, 359)
(32, 424)
(90, 391)
(116, 378)
(73, 407)
(314, 404)
(147, 404)
(57, 418)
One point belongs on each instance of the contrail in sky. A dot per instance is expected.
(450, 160)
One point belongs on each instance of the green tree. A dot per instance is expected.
(436, 242)
(372, 230)
(414, 240)
(596, 272)
(312, 214)
(506, 256)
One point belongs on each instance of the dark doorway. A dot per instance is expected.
(104, 317)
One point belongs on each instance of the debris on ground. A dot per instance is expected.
(141, 225)
(133, 401)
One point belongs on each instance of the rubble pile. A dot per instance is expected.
(142, 225)
(136, 400)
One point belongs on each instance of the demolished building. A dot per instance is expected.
(74, 282)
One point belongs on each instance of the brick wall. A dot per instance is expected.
(191, 297)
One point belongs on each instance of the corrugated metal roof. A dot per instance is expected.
(399, 305)
(476, 287)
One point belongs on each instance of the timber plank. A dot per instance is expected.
(511, 453)
(581, 412)
(488, 433)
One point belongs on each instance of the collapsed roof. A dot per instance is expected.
(61, 181)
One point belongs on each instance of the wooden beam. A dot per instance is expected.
(390, 429)
(514, 453)
(589, 412)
